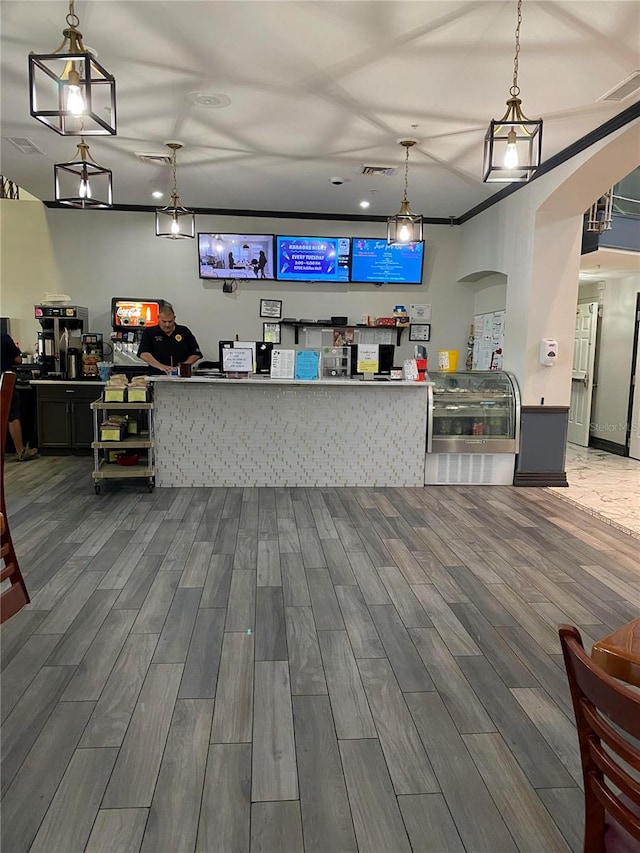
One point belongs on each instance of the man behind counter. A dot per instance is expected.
(167, 345)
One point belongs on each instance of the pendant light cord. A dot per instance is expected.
(406, 172)
(515, 89)
(72, 19)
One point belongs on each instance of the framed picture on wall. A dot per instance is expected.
(271, 308)
(271, 333)
(420, 332)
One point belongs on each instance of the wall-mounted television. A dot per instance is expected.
(373, 260)
(321, 259)
(246, 256)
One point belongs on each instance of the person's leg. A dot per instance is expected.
(15, 431)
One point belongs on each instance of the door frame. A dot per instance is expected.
(634, 384)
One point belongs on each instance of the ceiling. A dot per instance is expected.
(294, 94)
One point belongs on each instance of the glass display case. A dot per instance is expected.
(470, 413)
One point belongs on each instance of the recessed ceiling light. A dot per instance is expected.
(157, 194)
(208, 101)
(364, 204)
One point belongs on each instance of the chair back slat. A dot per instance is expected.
(15, 596)
(605, 711)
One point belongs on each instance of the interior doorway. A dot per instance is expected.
(584, 356)
(634, 402)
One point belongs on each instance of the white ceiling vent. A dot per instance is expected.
(153, 159)
(624, 89)
(382, 171)
(24, 145)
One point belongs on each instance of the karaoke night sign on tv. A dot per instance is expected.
(313, 258)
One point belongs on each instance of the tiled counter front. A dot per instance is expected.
(266, 433)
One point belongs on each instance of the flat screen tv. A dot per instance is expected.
(373, 260)
(321, 259)
(247, 256)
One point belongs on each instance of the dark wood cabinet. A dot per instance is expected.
(64, 415)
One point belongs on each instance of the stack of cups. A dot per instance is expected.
(104, 369)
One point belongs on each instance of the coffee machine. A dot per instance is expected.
(92, 353)
(62, 327)
(130, 317)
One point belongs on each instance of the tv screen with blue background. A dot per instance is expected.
(322, 259)
(375, 261)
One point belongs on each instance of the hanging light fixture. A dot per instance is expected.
(174, 220)
(600, 216)
(69, 91)
(83, 182)
(405, 227)
(513, 144)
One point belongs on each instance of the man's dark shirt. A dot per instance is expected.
(168, 349)
(9, 351)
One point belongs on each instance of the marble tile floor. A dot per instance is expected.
(604, 485)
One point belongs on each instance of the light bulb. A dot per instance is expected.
(175, 226)
(85, 188)
(511, 154)
(404, 234)
(75, 101)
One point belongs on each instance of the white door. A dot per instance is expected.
(584, 356)
(634, 440)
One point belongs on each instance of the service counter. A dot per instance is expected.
(270, 432)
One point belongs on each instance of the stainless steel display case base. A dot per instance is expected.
(471, 469)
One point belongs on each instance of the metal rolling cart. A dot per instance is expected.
(473, 429)
(104, 451)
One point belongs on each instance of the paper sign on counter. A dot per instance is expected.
(236, 360)
(410, 369)
(368, 358)
(283, 363)
(307, 364)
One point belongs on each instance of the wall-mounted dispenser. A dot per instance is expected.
(548, 352)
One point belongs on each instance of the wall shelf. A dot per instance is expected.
(296, 325)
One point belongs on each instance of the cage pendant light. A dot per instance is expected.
(513, 144)
(69, 90)
(83, 182)
(405, 227)
(175, 221)
(600, 216)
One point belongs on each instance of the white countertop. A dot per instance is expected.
(266, 380)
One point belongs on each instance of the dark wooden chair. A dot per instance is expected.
(15, 596)
(605, 711)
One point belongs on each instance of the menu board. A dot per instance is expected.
(488, 340)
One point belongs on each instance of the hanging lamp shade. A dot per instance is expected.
(175, 221)
(405, 227)
(83, 182)
(513, 144)
(69, 90)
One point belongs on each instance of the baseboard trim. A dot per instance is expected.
(608, 446)
(541, 478)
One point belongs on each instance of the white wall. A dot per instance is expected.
(96, 255)
(609, 413)
(490, 294)
(27, 265)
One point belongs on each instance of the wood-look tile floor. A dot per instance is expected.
(297, 669)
